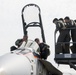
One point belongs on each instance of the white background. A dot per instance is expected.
(11, 23)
